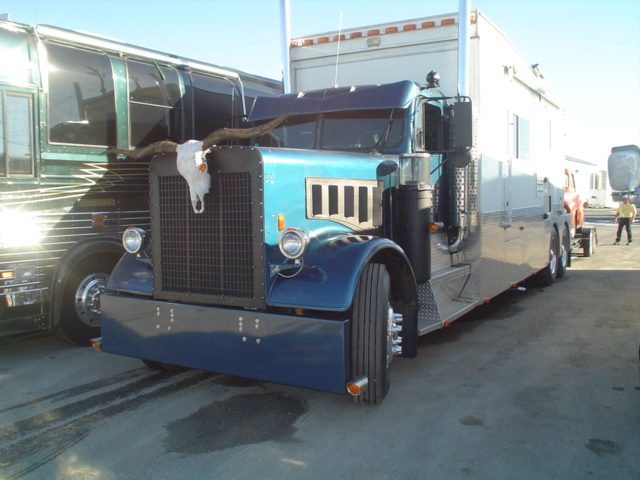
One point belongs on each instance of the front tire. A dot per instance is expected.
(80, 300)
(370, 333)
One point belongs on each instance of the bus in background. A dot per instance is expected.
(65, 98)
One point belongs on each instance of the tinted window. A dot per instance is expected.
(16, 140)
(81, 100)
(212, 104)
(155, 105)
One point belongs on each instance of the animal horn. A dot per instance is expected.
(164, 146)
(214, 138)
(237, 133)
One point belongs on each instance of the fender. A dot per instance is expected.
(69, 262)
(328, 277)
(132, 276)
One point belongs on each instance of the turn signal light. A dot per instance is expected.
(356, 386)
(436, 226)
(96, 343)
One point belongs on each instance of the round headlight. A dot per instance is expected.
(294, 243)
(133, 239)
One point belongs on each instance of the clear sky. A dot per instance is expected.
(588, 50)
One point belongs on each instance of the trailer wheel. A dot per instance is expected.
(565, 252)
(547, 275)
(80, 301)
(370, 333)
(589, 244)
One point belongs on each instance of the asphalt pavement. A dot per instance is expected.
(540, 384)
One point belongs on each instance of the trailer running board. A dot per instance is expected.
(440, 300)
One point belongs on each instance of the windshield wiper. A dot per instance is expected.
(385, 134)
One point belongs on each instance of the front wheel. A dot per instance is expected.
(80, 300)
(371, 336)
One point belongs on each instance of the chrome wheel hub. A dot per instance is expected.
(88, 298)
(394, 340)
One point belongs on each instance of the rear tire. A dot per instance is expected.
(564, 254)
(370, 333)
(589, 244)
(548, 275)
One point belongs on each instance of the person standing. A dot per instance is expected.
(625, 214)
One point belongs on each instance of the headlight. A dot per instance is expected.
(294, 243)
(133, 239)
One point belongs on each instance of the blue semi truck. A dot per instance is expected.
(373, 215)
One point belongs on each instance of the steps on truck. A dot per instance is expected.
(440, 299)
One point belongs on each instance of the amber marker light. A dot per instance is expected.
(7, 275)
(436, 226)
(356, 386)
(280, 223)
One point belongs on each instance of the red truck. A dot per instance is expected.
(581, 237)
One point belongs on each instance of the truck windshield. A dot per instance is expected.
(362, 130)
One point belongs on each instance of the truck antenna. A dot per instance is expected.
(335, 80)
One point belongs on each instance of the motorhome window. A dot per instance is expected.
(155, 103)
(296, 132)
(432, 128)
(212, 103)
(362, 130)
(16, 139)
(81, 100)
(520, 140)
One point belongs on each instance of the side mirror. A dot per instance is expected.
(463, 128)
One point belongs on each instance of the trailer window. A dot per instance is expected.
(16, 139)
(155, 103)
(81, 100)
(520, 139)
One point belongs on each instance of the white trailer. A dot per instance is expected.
(510, 198)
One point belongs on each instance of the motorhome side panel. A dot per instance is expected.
(519, 181)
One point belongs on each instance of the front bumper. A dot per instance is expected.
(299, 351)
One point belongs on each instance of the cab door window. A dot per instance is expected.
(16, 137)
(155, 103)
